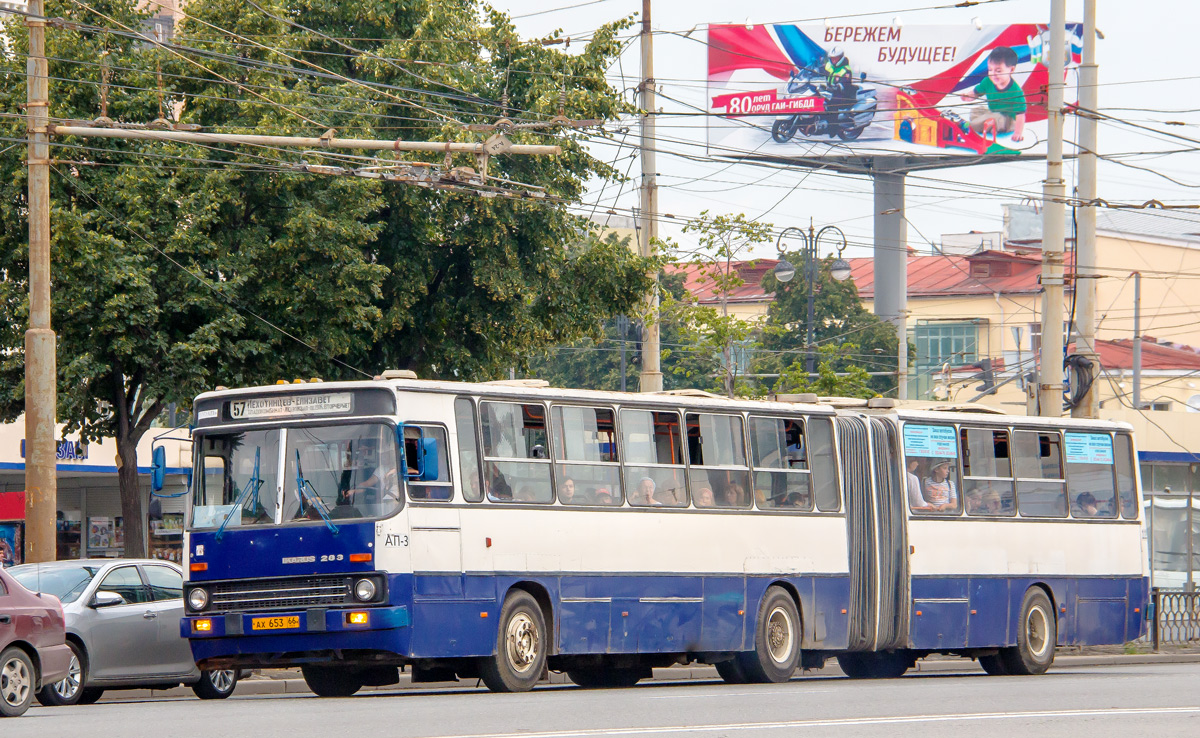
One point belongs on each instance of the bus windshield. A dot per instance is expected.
(329, 472)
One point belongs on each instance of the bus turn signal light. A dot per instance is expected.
(356, 618)
(199, 566)
(202, 626)
(360, 558)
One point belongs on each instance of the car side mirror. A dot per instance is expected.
(106, 599)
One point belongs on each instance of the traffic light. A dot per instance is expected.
(987, 376)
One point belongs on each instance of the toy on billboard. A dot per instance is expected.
(882, 88)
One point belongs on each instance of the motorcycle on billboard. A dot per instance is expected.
(846, 123)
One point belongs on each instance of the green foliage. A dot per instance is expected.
(849, 337)
(180, 267)
(853, 381)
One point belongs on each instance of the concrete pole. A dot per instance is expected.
(1085, 243)
(41, 481)
(651, 377)
(891, 265)
(1137, 340)
(1050, 381)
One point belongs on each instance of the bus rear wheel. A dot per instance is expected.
(332, 681)
(608, 678)
(776, 640)
(1037, 635)
(993, 665)
(731, 672)
(521, 645)
(875, 664)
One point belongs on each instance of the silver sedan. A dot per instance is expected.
(122, 619)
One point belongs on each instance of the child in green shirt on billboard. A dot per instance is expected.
(1005, 102)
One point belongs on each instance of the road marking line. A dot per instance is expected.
(836, 722)
(726, 694)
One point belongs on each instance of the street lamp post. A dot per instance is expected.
(785, 271)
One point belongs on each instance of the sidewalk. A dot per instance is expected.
(289, 681)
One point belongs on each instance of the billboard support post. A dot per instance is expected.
(1050, 374)
(1085, 235)
(891, 264)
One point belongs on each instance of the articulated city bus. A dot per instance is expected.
(498, 530)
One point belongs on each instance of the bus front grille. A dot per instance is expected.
(279, 594)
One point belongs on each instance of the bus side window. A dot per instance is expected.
(652, 451)
(585, 452)
(823, 462)
(1091, 475)
(516, 462)
(1037, 465)
(468, 450)
(987, 472)
(781, 473)
(717, 453)
(931, 469)
(436, 489)
(1126, 481)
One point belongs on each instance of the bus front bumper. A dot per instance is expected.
(294, 622)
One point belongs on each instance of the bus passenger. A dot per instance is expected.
(566, 493)
(939, 491)
(498, 490)
(915, 500)
(603, 496)
(704, 497)
(644, 494)
(734, 495)
(1086, 505)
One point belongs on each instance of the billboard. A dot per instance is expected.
(852, 90)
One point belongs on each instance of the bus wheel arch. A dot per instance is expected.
(1037, 634)
(522, 644)
(540, 594)
(778, 633)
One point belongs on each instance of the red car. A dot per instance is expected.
(33, 645)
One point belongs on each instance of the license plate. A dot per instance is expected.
(290, 621)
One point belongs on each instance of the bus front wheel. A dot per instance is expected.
(332, 681)
(1037, 635)
(776, 640)
(521, 645)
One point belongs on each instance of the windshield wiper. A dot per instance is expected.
(252, 483)
(308, 494)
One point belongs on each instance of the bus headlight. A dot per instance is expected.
(198, 598)
(364, 590)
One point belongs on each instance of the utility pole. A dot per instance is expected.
(1050, 377)
(651, 376)
(1137, 340)
(1085, 235)
(41, 481)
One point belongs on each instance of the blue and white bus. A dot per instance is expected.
(498, 530)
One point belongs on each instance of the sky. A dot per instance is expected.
(1146, 64)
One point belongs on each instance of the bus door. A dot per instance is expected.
(879, 588)
(435, 532)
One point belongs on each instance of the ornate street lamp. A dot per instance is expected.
(784, 272)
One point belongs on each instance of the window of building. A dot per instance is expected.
(956, 344)
(931, 468)
(516, 461)
(652, 443)
(717, 454)
(468, 450)
(585, 451)
(1037, 464)
(987, 472)
(781, 473)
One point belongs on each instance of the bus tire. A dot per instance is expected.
(332, 681)
(521, 646)
(874, 664)
(1037, 635)
(607, 678)
(776, 640)
(731, 672)
(993, 665)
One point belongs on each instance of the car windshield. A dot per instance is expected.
(329, 473)
(64, 582)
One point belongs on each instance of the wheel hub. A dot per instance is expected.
(15, 682)
(779, 635)
(523, 642)
(67, 688)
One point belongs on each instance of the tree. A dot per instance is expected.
(848, 336)
(179, 267)
(720, 240)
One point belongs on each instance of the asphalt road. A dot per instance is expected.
(1091, 701)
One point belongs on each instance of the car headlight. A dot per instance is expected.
(198, 598)
(364, 590)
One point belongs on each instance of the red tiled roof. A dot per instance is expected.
(937, 275)
(1162, 356)
(701, 287)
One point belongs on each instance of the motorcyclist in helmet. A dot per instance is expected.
(839, 80)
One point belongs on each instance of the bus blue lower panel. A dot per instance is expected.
(979, 612)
